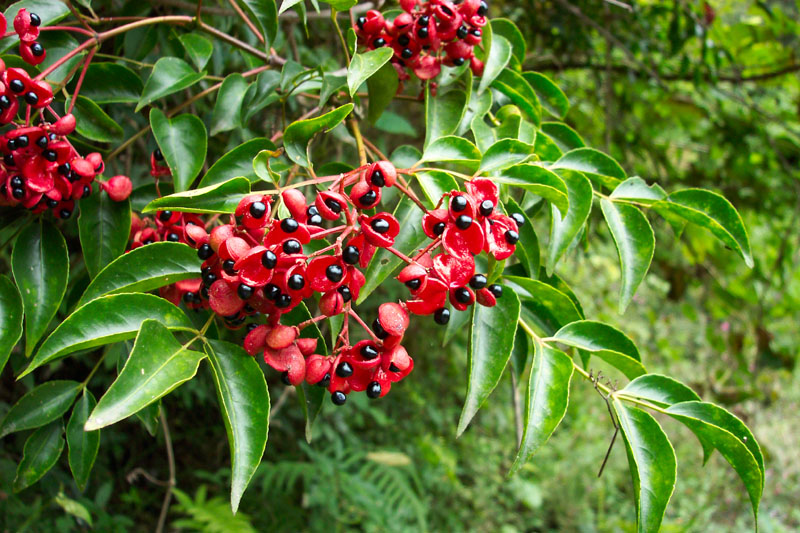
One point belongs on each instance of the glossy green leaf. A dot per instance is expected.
(41, 267)
(652, 463)
(592, 162)
(42, 450)
(485, 136)
(564, 231)
(144, 269)
(606, 342)
(298, 135)
(158, 364)
(546, 401)
(553, 99)
(261, 93)
(519, 91)
(265, 14)
(41, 405)
(169, 75)
(237, 162)
(434, 184)
(263, 168)
(509, 30)
(93, 123)
(528, 245)
(381, 87)
(635, 188)
(183, 141)
(105, 320)
(713, 212)
(10, 319)
(565, 137)
(244, 402)
(104, 227)
(287, 4)
(491, 342)
(227, 113)
(452, 149)
(539, 181)
(662, 391)
(443, 113)
(635, 242)
(82, 445)
(503, 154)
(363, 65)
(333, 83)
(731, 437)
(384, 263)
(496, 60)
(547, 307)
(198, 48)
(546, 149)
(478, 105)
(220, 198)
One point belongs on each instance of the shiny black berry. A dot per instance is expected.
(164, 216)
(188, 297)
(344, 370)
(271, 291)
(205, 251)
(459, 61)
(258, 209)
(338, 398)
(209, 278)
(368, 199)
(496, 290)
(5, 102)
(350, 255)
(403, 40)
(17, 183)
(463, 221)
(519, 219)
(52, 203)
(283, 301)
(333, 205)
(16, 86)
(478, 281)
(296, 282)
(65, 214)
(157, 155)
(511, 236)
(380, 225)
(42, 142)
(438, 228)
(289, 225)
(378, 329)
(325, 381)
(462, 295)
(486, 208)
(344, 290)
(314, 220)
(35, 20)
(414, 284)
(369, 352)
(173, 237)
(31, 98)
(292, 246)
(269, 259)
(374, 390)
(458, 204)
(422, 33)
(406, 53)
(334, 273)
(483, 9)
(22, 141)
(462, 32)
(360, 21)
(379, 42)
(227, 266)
(285, 378)
(377, 178)
(18, 193)
(37, 49)
(244, 291)
(442, 316)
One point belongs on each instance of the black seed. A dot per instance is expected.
(476, 32)
(442, 316)
(406, 53)
(368, 198)
(53, 136)
(285, 378)
(173, 237)
(188, 297)
(31, 98)
(338, 398)
(333, 205)
(350, 255)
(157, 155)
(463, 221)
(251, 327)
(344, 290)
(258, 209)
(289, 225)
(403, 40)
(380, 225)
(378, 329)
(438, 228)
(325, 381)
(35, 20)
(292, 246)
(5, 103)
(18, 193)
(312, 210)
(459, 61)
(65, 214)
(360, 21)
(519, 219)
(414, 284)
(462, 32)
(374, 390)
(422, 33)
(50, 155)
(496, 290)
(16, 86)
(379, 42)
(64, 169)
(227, 266)
(87, 191)
(244, 291)
(334, 273)
(478, 281)
(283, 301)
(164, 216)
(22, 141)
(344, 370)
(511, 236)
(458, 204)
(271, 291)
(369, 352)
(483, 8)
(8, 159)
(17, 183)
(315, 220)
(209, 279)
(12, 144)
(462, 295)
(269, 259)
(42, 142)
(486, 208)
(393, 368)
(37, 49)
(424, 20)
(377, 178)
(296, 282)
(205, 251)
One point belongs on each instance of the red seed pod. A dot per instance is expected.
(196, 235)
(479, 21)
(462, 242)
(330, 204)
(458, 50)
(325, 273)
(414, 276)
(119, 188)
(22, 25)
(408, 5)
(8, 114)
(380, 229)
(64, 126)
(468, 8)
(462, 298)
(96, 160)
(476, 65)
(474, 37)
(32, 53)
(453, 270)
(365, 195)
(288, 360)
(428, 68)
(317, 366)
(219, 235)
(43, 92)
(381, 174)
(374, 23)
(3, 27)
(486, 298)
(355, 280)
(295, 202)
(393, 318)
(307, 346)
(281, 336)
(17, 74)
(223, 299)
(233, 249)
(429, 299)
(331, 303)
(399, 358)
(402, 23)
(82, 168)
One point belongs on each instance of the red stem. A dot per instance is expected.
(80, 80)
(69, 28)
(363, 324)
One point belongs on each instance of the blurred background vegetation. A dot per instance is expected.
(681, 92)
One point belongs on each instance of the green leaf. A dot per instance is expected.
(383, 263)
(635, 188)
(592, 162)
(93, 123)
(298, 135)
(228, 107)
(713, 212)
(519, 91)
(452, 149)
(539, 181)
(477, 107)
(158, 364)
(553, 99)
(662, 391)
(332, 83)
(443, 113)
(237, 162)
(286, 4)
(41, 267)
(364, 65)
(75, 508)
(261, 93)
(549, 308)
(565, 137)
(546, 401)
(341, 5)
(144, 269)
(183, 141)
(546, 149)
(496, 60)
(381, 87)
(82, 445)
(42, 450)
(652, 463)
(198, 48)
(435, 183)
(169, 75)
(265, 14)
(105, 320)
(41, 405)
(484, 135)
(220, 198)
(509, 30)
(635, 243)
(111, 83)
(604, 341)
(528, 245)
(564, 231)
(104, 227)
(10, 319)
(505, 153)
(244, 402)
(262, 168)
(491, 342)
(735, 442)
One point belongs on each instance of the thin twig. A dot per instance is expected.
(162, 518)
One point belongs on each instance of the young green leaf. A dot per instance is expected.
(41, 405)
(381, 87)
(237, 162)
(452, 149)
(92, 122)
(592, 162)
(443, 113)
(82, 445)
(553, 99)
(298, 135)
(652, 463)
(198, 48)
(662, 391)
(546, 306)
(364, 65)
(144, 269)
(635, 188)
(227, 113)
(158, 364)
(509, 30)
(496, 60)
(265, 14)
(219, 198)
(41, 268)
(169, 75)
(519, 91)
(503, 154)
(564, 230)
(528, 245)
(105, 320)
(10, 318)
(565, 137)
(42, 450)
(539, 181)
(604, 341)
(73, 507)
(244, 402)
(635, 242)
(491, 342)
(546, 401)
(183, 141)
(104, 227)
(434, 184)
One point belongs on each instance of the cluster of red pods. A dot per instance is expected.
(427, 34)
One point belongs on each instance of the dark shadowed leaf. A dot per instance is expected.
(93, 123)
(42, 450)
(553, 99)
(82, 445)
(39, 406)
(169, 75)
(298, 135)
(104, 227)
(183, 141)
(198, 48)
(10, 318)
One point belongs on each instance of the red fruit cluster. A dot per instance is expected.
(427, 34)
(16, 86)
(26, 25)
